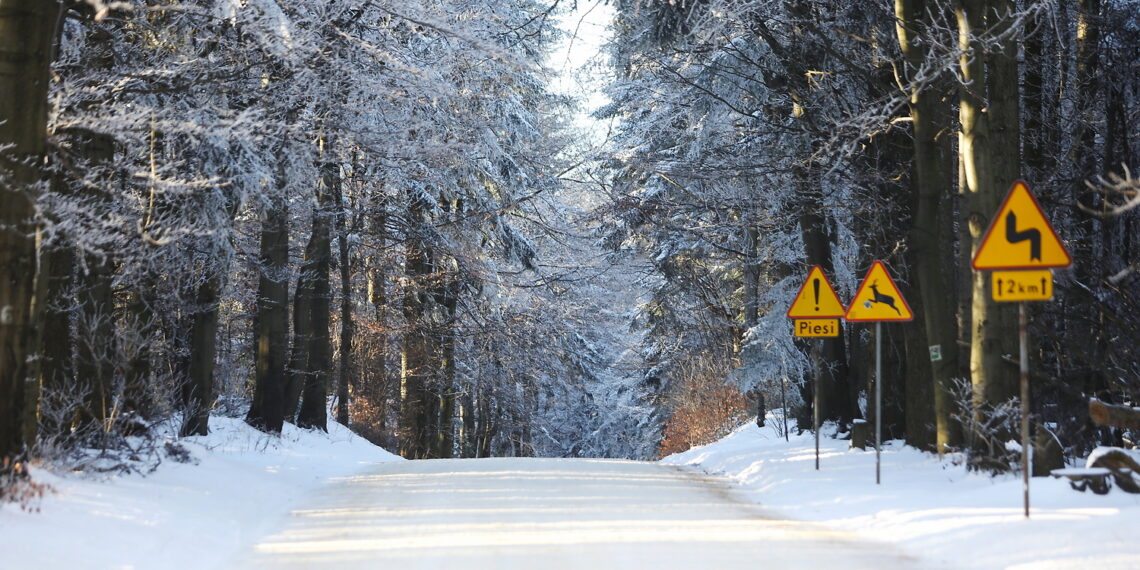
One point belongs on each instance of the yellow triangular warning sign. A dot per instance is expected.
(878, 299)
(1019, 236)
(816, 298)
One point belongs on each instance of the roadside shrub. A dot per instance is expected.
(703, 409)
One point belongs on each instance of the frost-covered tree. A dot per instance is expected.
(829, 129)
(732, 150)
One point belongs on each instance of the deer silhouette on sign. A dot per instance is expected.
(880, 298)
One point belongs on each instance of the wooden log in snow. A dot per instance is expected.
(1113, 415)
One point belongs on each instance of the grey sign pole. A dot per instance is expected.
(1023, 336)
(878, 397)
(815, 418)
(784, 400)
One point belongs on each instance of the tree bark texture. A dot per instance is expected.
(918, 389)
(296, 371)
(57, 264)
(751, 276)
(829, 356)
(486, 415)
(1083, 157)
(931, 185)
(313, 412)
(267, 410)
(380, 388)
(96, 353)
(347, 325)
(139, 326)
(447, 297)
(27, 35)
(989, 153)
(416, 354)
(198, 394)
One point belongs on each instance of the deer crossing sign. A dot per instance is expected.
(878, 299)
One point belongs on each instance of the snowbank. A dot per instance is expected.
(183, 515)
(933, 509)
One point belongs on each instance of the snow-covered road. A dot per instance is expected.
(549, 513)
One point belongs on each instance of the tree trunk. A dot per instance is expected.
(467, 423)
(143, 323)
(27, 34)
(918, 389)
(417, 350)
(1038, 152)
(267, 410)
(1092, 340)
(57, 264)
(380, 390)
(95, 331)
(1004, 116)
(139, 326)
(930, 246)
(751, 275)
(486, 417)
(296, 371)
(347, 326)
(313, 412)
(448, 299)
(988, 160)
(829, 356)
(198, 393)
(377, 388)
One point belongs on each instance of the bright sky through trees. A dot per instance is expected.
(581, 68)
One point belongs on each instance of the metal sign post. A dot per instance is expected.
(878, 399)
(815, 311)
(1023, 337)
(878, 299)
(1021, 246)
(815, 418)
(784, 398)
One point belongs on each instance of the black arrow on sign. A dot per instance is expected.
(1032, 234)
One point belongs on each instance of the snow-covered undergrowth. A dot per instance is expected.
(184, 515)
(932, 509)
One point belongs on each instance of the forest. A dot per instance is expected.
(383, 212)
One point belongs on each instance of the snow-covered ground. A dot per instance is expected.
(245, 484)
(182, 515)
(929, 508)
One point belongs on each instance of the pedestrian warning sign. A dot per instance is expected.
(816, 328)
(1019, 236)
(878, 299)
(816, 299)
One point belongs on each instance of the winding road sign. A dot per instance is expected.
(878, 299)
(1019, 236)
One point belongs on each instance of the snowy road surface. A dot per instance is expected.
(549, 513)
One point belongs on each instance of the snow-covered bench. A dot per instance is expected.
(1104, 466)
(1094, 478)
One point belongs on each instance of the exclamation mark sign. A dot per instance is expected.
(815, 285)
